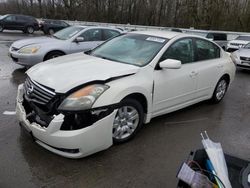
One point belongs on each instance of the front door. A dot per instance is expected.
(92, 38)
(175, 88)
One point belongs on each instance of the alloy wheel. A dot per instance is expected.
(51, 31)
(30, 30)
(221, 89)
(125, 123)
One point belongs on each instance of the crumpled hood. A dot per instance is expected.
(34, 41)
(67, 72)
(243, 52)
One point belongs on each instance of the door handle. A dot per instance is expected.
(220, 66)
(193, 74)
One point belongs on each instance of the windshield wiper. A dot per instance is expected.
(102, 57)
(107, 58)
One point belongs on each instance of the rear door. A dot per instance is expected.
(92, 38)
(57, 25)
(21, 21)
(209, 66)
(109, 33)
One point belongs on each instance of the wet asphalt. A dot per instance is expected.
(151, 159)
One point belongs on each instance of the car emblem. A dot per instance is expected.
(30, 90)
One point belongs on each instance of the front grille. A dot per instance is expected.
(245, 58)
(38, 93)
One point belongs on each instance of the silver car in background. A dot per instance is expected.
(241, 57)
(238, 43)
(29, 52)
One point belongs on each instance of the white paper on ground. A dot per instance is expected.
(9, 113)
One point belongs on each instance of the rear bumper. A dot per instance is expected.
(71, 144)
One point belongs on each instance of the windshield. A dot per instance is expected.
(67, 33)
(247, 38)
(2, 17)
(247, 46)
(134, 49)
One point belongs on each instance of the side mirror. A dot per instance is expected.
(170, 64)
(88, 52)
(79, 39)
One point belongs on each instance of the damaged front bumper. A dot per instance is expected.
(68, 143)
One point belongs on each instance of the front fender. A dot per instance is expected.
(121, 88)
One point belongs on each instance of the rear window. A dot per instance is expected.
(217, 36)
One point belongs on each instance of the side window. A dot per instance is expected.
(107, 34)
(92, 35)
(58, 23)
(181, 50)
(63, 24)
(206, 50)
(10, 18)
(210, 36)
(22, 18)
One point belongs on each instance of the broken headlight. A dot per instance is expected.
(83, 99)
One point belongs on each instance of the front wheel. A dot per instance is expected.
(128, 120)
(1, 28)
(220, 90)
(52, 55)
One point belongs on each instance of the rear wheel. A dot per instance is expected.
(51, 31)
(30, 30)
(52, 55)
(220, 90)
(128, 120)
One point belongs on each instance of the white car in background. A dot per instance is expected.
(238, 43)
(80, 104)
(28, 52)
(242, 57)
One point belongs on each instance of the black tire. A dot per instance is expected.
(53, 54)
(29, 30)
(51, 31)
(220, 90)
(135, 105)
(1, 28)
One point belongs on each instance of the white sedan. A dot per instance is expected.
(80, 104)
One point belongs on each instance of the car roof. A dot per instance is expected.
(164, 34)
(244, 35)
(102, 27)
(52, 20)
(20, 15)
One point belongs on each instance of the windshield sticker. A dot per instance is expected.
(155, 39)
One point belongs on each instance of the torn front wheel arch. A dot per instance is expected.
(75, 120)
